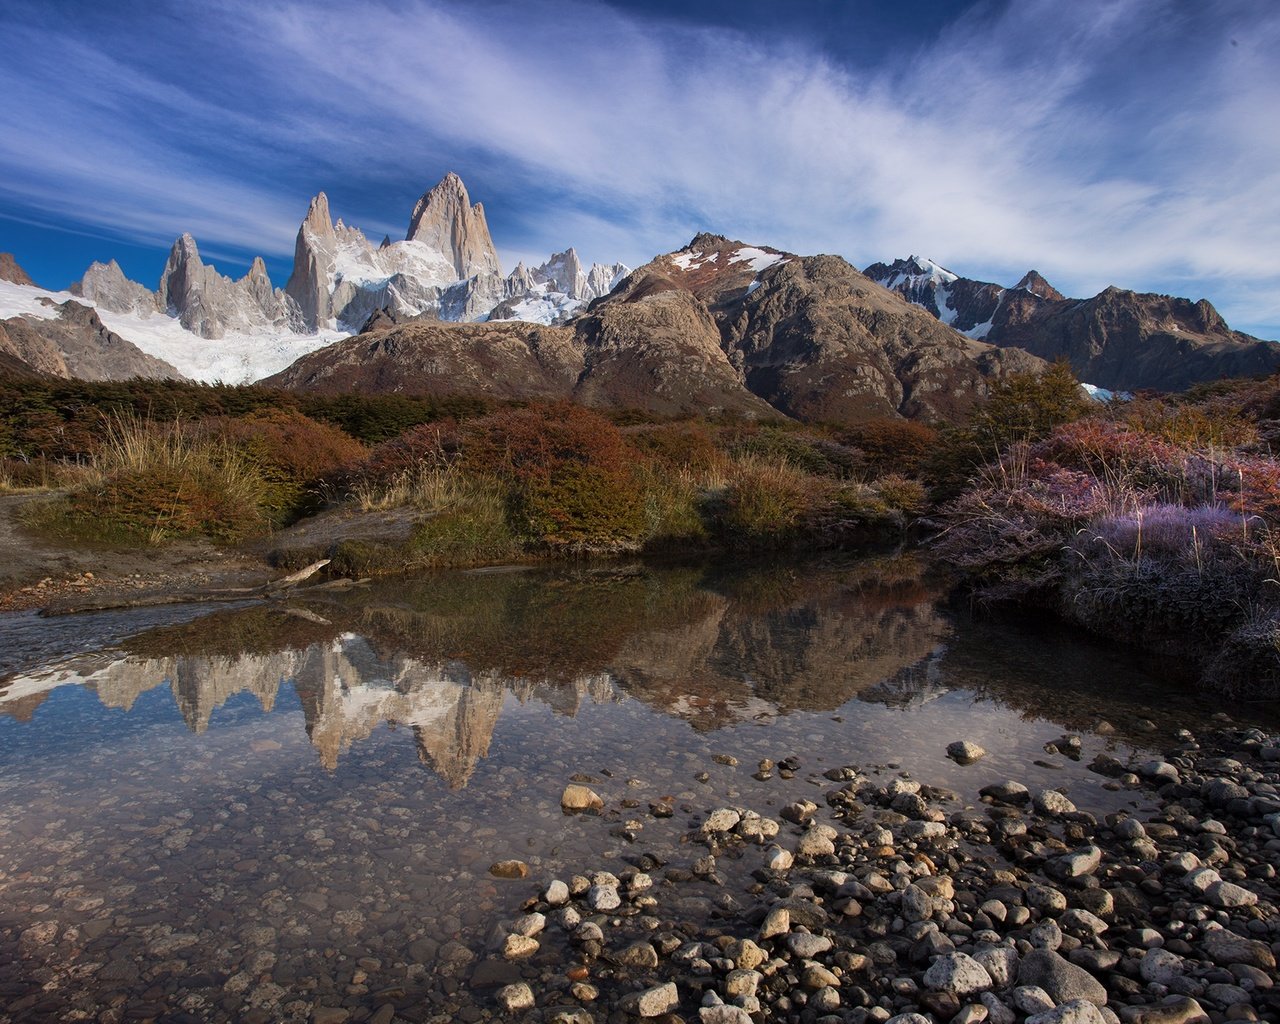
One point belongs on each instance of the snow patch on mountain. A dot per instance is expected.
(757, 259)
(919, 271)
(541, 305)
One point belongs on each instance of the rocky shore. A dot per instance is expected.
(882, 899)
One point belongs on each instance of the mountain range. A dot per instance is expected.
(1119, 340)
(718, 325)
(446, 268)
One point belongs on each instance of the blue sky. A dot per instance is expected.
(1133, 143)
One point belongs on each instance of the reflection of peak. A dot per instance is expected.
(453, 743)
(201, 685)
(913, 686)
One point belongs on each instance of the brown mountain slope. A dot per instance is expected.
(1126, 340)
(77, 344)
(817, 340)
(1121, 340)
(716, 327)
(501, 360)
(660, 352)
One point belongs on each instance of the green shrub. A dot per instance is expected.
(766, 503)
(674, 511)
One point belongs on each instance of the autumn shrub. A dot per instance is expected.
(766, 502)
(1021, 408)
(1167, 604)
(1247, 665)
(572, 477)
(160, 481)
(1161, 530)
(674, 447)
(1008, 530)
(43, 474)
(1210, 424)
(426, 446)
(292, 453)
(809, 453)
(892, 445)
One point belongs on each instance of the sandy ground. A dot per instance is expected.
(38, 571)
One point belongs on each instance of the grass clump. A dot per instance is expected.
(155, 482)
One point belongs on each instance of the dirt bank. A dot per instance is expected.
(37, 569)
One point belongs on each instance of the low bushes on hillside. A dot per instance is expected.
(157, 482)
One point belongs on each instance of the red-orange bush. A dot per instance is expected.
(428, 445)
(291, 451)
(899, 446)
(571, 473)
(674, 445)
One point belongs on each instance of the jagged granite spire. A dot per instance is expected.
(308, 285)
(445, 220)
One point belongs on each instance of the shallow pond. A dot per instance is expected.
(242, 814)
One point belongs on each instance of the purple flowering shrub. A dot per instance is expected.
(1136, 536)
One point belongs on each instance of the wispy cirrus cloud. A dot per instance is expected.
(1101, 143)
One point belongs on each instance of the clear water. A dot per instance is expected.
(258, 810)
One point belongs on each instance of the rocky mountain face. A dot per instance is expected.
(204, 301)
(965, 305)
(816, 339)
(105, 285)
(718, 326)
(500, 360)
(1119, 340)
(11, 272)
(445, 221)
(446, 268)
(77, 344)
(210, 304)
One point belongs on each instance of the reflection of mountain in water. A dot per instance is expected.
(440, 657)
(814, 653)
(346, 692)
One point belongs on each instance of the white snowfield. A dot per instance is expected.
(756, 259)
(929, 271)
(545, 306)
(232, 359)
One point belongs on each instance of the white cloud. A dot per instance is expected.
(1101, 143)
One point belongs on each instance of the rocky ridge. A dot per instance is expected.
(10, 271)
(716, 326)
(445, 268)
(75, 343)
(1119, 339)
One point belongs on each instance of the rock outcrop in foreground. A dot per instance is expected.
(894, 904)
(1119, 339)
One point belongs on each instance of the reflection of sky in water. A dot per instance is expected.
(414, 737)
